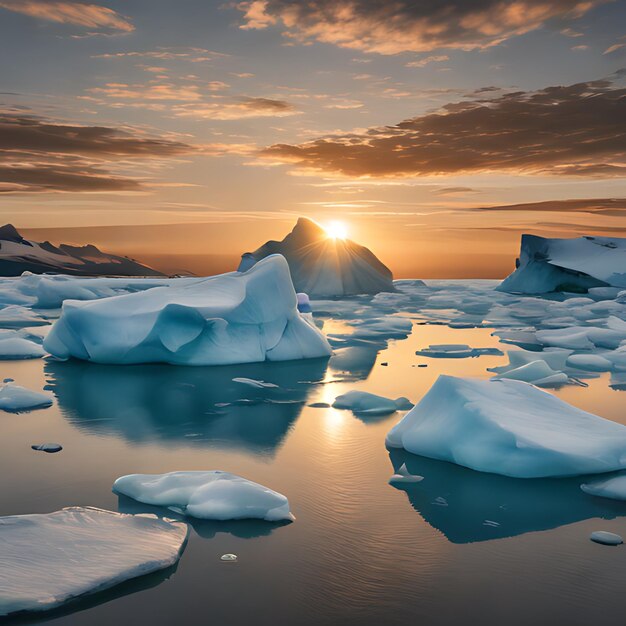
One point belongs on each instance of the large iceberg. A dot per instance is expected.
(211, 495)
(323, 266)
(574, 265)
(50, 559)
(231, 318)
(511, 428)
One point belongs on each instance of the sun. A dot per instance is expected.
(336, 230)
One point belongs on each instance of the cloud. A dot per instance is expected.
(394, 26)
(77, 13)
(39, 155)
(192, 55)
(435, 58)
(609, 207)
(575, 130)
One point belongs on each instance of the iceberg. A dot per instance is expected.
(538, 373)
(573, 265)
(613, 487)
(364, 403)
(49, 559)
(511, 428)
(16, 316)
(231, 318)
(211, 495)
(16, 399)
(14, 346)
(323, 266)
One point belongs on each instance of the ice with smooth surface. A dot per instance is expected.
(404, 476)
(212, 495)
(573, 265)
(511, 428)
(231, 318)
(613, 487)
(251, 382)
(536, 372)
(16, 399)
(16, 316)
(14, 346)
(456, 351)
(364, 403)
(323, 266)
(49, 559)
(606, 538)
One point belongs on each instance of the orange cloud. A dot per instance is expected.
(78, 13)
(577, 130)
(394, 26)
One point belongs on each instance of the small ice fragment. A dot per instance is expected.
(439, 501)
(16, 399)
(48, 447)
(228, 557)
(404, 476)
(259, 384)
(8, 380)
(606, 538)
(385, 364)
(489, 522)
(319, 405)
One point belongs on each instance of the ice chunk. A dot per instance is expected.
(206, 495)
(14, 347)
(16, 399)
(589, 362)
(15, 316)
(364, 403)
(573, 265)
(231, 318)
(613, 487)
(323, 266)
(52, 558)
(606, 538)
(228, 557)
(509, 427)
(404, 476)
(257, 384)
(536, 372)
(51, 448)
(456, 351)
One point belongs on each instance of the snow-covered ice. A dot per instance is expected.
(15, 345)
(538, 373)
(509, 427)
(16, 399)
(231, 318)
(573, 265)
(212, 495)
(16, 316)
(364, 403)
(49, 559)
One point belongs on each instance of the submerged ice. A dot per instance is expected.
(212, 495)
(231, 318)
(509, 427)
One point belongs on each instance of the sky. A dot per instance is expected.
(186, 133)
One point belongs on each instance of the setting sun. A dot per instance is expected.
(337, 230)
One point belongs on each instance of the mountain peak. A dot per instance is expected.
(8, 232)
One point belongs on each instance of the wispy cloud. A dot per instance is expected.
(77, 13)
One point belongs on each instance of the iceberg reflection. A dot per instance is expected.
(192, 405)
(468, 506)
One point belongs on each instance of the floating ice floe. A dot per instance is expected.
(231, 318)
(573, 265)
(257, 384)
(456, 351)
(589, 362)
(364, 403)
(606, 538)
(15, 346)
(509, 427)
(212, 495)
(50, 448)
(50, 559)
(403, 475)
(613, 487)
(538, 373)
(16, 316)
(16, 399)
(323, 266)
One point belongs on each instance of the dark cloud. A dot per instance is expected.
(39, 155)
(576, 130)
(615, 207)
(393, 26)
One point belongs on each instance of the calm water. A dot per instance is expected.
(360, 551)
